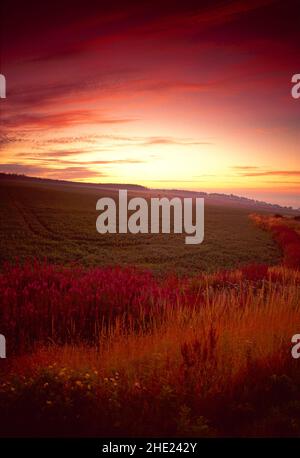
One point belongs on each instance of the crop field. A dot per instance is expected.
(128, 336)
(58, 222)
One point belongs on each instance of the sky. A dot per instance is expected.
(166, 94)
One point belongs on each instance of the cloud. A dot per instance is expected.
(297, 183)
(173, 85)
(60, 120)
(22, 169)
(106, 142)
(72, 173)
(77, 86)
(50, 154)
(66, 140)
(97, 27)
(172, 141)
(228, 11)
(254, 171)
(8, 140)
(55, 173)
(182, 69)
(45, 160)
(244, 167)
(272, 173)
(39, 95)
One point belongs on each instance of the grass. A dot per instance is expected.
(99, 350)
(208, 357)
(286, 231)
(58, 223)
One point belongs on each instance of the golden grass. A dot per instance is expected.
(246, 322)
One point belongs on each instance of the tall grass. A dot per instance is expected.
(120, 352)
(43, 303)
(286, 232)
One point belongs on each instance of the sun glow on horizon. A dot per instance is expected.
(162, 105)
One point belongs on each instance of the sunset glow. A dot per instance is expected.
(185, 97)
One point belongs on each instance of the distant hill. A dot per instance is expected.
(212, 198)
(13, 176)
(233, 200)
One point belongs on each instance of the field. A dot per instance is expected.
(145, 337)
(58, 223)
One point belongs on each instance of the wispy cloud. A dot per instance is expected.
(60, 120)
(272, 173)
(172, 141)
(105, 142)
(6, 140)
(74, 173)
(244, 167)
(23, 169)
(55, 173)
(49, 160)
(104, 28)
